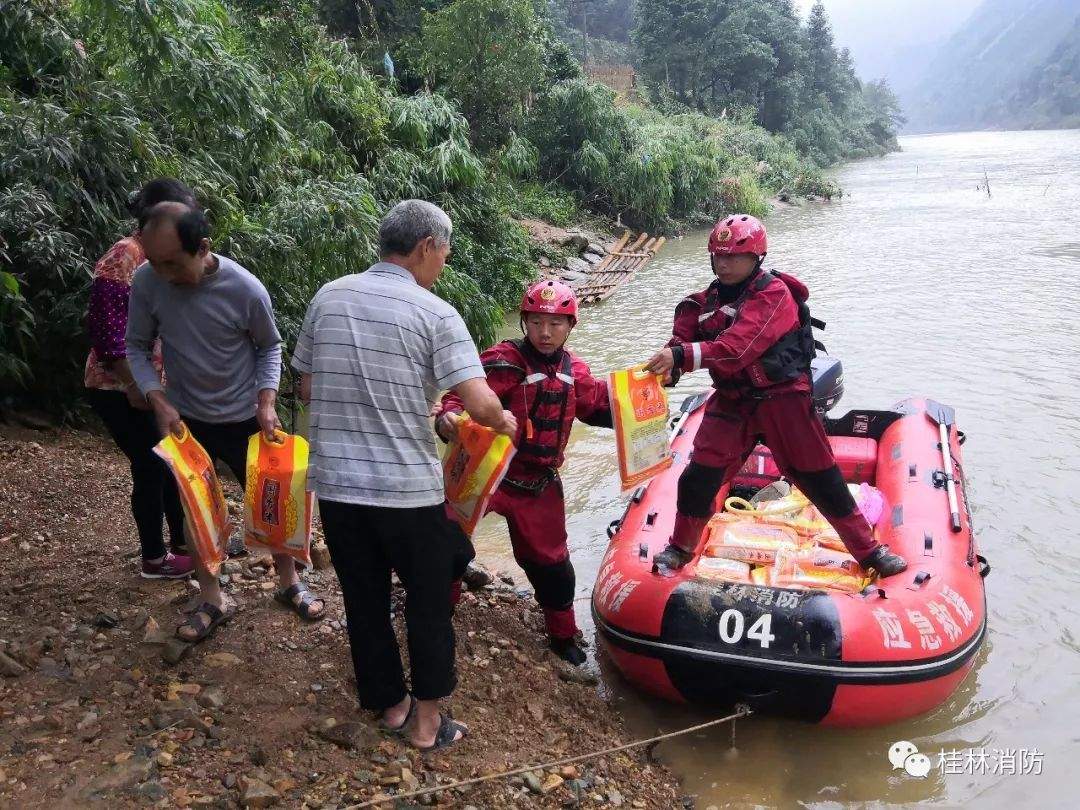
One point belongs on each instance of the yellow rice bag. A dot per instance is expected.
(639, 409)
(818, 558)
(207, 520)
(789, 572)
(277, 505)
(749, 541)
(761, 575)
(724, 569)
(473, 468)
(829, 539)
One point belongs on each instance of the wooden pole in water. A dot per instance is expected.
(596, 289)
(616, 248)
(606, 262)
(632, 259)
(635, 263)
(643, 256)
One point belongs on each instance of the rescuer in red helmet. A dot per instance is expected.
(751, 329)
(546, 387)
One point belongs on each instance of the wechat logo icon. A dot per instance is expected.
(904, 755)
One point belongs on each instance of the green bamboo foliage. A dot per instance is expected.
(297, 150)
(293, 147)
(655, 169)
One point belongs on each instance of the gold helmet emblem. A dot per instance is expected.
(724, 235)
(547, 294)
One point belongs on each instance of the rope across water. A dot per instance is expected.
(731, 718)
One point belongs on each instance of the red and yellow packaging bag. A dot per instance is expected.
(473, 468)
(750, 542)
(722, 568)
(803, 570)
(639, 409)
(207, 521)
(277, 505)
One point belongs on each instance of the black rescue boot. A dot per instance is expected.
(672, 557)
(884, 562)
(568, 650)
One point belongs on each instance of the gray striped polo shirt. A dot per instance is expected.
(380, 349)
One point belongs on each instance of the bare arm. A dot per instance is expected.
(167, 417)
(122, 371)
(484, 407)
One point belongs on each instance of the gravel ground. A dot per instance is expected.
(263, 713)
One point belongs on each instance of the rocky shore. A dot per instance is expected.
(572, 253)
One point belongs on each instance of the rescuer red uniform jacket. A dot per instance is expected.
(758, 344)
(545, 394)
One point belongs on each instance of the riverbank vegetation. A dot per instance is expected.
(750, 60)
(299, 123)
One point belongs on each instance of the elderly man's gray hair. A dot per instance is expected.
(410, 222)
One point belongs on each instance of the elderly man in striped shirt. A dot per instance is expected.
(374, 353)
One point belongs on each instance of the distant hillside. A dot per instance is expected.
(975, 80)
(1049, 96)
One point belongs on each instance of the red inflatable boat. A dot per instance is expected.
(895, 649)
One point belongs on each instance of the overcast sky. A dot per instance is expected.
(886, 37)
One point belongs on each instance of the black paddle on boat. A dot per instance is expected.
(944, 417)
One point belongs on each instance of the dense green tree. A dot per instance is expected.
(886, 116)
(486, 54)
(822, 64)
(607, 19)
(601, 26)
(293, 147)
(735, 57)
(296, 143)
(668, 41)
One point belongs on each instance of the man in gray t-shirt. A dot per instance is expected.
(375, 351)
(222, 358)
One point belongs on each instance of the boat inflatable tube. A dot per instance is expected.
(797, 640)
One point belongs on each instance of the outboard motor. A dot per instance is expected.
(827, 375)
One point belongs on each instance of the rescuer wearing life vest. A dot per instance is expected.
(546, 387)
(751, 329)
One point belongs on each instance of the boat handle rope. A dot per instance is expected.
(958, 470)
(741, 711)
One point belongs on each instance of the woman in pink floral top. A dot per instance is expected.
(117, 401)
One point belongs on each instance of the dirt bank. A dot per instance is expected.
(264, 713)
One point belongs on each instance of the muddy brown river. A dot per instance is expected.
(930, 286)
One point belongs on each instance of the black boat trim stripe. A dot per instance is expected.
(769, 657)
(854, 671)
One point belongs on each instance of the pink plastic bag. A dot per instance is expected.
(871, 503)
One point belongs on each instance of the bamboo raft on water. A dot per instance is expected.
(618, 267)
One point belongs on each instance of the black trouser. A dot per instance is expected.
(421, 544)
(153, 489)
(226, 442)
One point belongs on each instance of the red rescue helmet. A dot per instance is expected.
(550, 298)
(739, 233)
